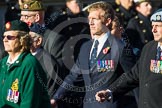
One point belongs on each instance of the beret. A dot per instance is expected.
(17, 25)
(32, 6)
(157, 16)
(35, 27)
(74, 0)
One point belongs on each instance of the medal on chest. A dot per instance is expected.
(105, 65)
(156, 66)
(13, 93)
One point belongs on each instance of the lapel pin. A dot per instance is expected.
(106, 50)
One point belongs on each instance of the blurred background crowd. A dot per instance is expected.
(8, 8)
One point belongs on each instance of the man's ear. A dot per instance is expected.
(67, 4)
(39, 41)
(137, 8)
(37, 18)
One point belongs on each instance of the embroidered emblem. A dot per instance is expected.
(158, 17)
(26, 6)
(13, 93)
(106, 50)
(8, 25)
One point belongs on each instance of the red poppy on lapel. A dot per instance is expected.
(106, 50)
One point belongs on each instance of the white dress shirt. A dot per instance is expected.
(101, 41)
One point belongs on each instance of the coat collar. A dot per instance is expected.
(17, 63)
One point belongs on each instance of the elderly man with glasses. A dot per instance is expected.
(32, 12)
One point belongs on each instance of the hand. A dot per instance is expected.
(103, 95)
(53, 103)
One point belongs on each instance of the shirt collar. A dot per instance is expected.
(103, 38)
(9, 61)
(159, 45)
(36, 52)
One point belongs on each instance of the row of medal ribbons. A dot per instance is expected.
(156, 66)
(105, 65)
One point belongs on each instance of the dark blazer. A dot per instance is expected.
(150, 84)
(64, 39)
(51, 67)
(94, 80)
(125, 14)
(139, 32)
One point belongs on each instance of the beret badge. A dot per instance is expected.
(26, 6)
(158, 17)
(8, 25)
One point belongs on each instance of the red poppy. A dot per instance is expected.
(106, 50)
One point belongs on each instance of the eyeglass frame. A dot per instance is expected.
(27, 16)
(10, 37)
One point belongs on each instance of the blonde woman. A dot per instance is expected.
(23, 81)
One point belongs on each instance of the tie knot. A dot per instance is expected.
(96, 43)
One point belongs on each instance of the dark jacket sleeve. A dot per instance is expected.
(68, 82)
(126, 82)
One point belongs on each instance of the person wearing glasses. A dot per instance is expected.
(32, 12)
(22, 79)
(147, 73)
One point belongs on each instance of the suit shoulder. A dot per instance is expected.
(150, 44)
(30, 60)
(119, 41)
(87, 43)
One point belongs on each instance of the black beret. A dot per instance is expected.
(17, 25)
(35, 27)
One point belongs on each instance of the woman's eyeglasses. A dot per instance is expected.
(9, 37)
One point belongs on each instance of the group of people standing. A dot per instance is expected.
(64, 57)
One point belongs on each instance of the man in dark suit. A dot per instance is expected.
(147, 73)
(68, 32)
(98, 60)
(47, 61)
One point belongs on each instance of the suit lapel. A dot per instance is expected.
(101, 54)
(154, 51)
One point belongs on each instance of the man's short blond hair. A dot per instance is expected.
(109, 11)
